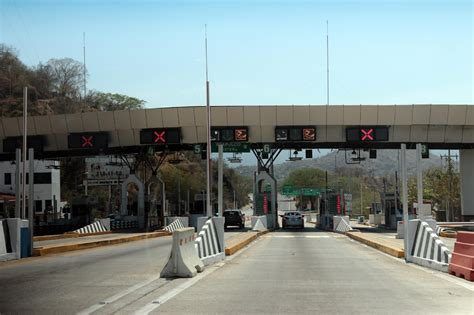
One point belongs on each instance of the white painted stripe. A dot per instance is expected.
(117, 296)
(172, 293)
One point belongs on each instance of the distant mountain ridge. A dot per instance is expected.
(387, 162)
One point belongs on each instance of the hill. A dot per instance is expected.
(386, 163)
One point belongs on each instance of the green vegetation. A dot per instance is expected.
(55, 87)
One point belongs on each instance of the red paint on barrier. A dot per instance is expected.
(462, 261)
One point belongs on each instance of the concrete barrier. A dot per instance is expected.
(426, 248)
(462, 263)
(10, 238)
(400, 230)
(184, 261)
(341, 224)
(259, 223)
(96, 227)
(210, 241)
(184, 220)
(175, 225)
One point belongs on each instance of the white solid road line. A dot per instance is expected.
(117, 296)
(171, 294)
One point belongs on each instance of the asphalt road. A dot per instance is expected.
(317, 272)
(73, 281)
(284, 272)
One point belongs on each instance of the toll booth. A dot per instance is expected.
(263, 202)
(391, 208)
(334, 207)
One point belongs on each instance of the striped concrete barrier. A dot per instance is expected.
(184, 261)
(5, 244)
(10, 238)
(209, 243)
(96, 227)
(173, 226)
(426, 248)
(259, 223)
(341, 224)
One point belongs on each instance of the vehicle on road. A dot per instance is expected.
(292, 219)
(234, 218)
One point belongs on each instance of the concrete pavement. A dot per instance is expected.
(320, 273)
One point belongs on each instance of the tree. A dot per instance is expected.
(112, 101)
(67, 77)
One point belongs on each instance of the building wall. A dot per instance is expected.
(44, 193)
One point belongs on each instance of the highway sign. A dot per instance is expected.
(295, 133)
(266, 148)
(160, 136)
(367, 134)
(229, 134)
(197, 149)
(88, 140)
(425, 151)
(232, 147)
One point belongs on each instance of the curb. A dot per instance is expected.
(229, 251)
(65, 235)
(46, 250)
(396, 252)
(448, 234)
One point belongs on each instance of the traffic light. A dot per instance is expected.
(309, 154)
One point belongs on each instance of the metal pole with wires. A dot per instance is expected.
(208, 151)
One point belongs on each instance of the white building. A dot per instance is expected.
(47, 189)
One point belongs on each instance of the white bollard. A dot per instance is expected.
(184, 261)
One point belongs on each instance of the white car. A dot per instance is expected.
(293, 219)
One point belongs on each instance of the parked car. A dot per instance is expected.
(234, 218)
(293, 219)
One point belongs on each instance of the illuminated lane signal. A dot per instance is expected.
(295, 134)
(229, 134)
(160, 136)
(367, 134)
(88, 140)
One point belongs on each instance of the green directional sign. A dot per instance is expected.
(232, 147)
(309, 192)
(292, 191)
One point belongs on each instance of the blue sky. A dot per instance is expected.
(260, 52)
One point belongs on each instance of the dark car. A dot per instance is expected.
(234, 218)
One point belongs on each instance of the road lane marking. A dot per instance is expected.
(172, 293)
(117, 296)
(150, 307)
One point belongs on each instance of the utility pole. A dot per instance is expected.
(449, 209)
(208, 155)
(25, 130)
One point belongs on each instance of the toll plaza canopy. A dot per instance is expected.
(298, 126)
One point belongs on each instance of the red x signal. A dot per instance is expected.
(159, 137)
(367, 134)
(87, 141)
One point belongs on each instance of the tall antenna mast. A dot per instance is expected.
(327, 60)
(208, 151)
(84, 55)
